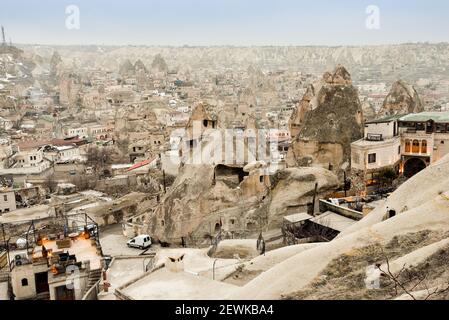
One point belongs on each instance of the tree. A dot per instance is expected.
(408, 281)
(386, 178)
(50, 183)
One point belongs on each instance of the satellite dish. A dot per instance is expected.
(21, 243)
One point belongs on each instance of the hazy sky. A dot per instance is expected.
(225, 22)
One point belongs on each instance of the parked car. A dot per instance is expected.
(142, 241)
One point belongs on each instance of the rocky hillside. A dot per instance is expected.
(410, 249)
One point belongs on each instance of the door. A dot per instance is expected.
(41, 280)
(63, 293)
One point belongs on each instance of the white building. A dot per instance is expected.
(27, 162)
(68, 154)
(7, 201)
(408, 144)
(70, 132)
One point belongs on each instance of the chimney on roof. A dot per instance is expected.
(175, 263)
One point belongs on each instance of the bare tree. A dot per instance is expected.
(407, 281)
(50, 183)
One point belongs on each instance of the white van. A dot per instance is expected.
(142, 241)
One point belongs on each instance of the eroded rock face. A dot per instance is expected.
(340, 76)
(334, 121)
(304, 106)
(369, 112)
(293, 190)
(402, 99)
(207, 198)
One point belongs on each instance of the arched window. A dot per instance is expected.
(415, 147)
(407, 146)
(24, 282)
(424, 146)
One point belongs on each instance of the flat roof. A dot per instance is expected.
(164, 284)
(333, 220)
(386, 119)
(81, 248)
(27, 214)
(439, 117)
(368, 143)
(298, 217)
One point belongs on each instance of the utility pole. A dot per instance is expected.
(3, 37)
(6, 243)
(314, 198)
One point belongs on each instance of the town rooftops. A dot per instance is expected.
(55, 142)
(438, 117)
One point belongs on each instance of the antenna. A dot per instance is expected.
(3, 36)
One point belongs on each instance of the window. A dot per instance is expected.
(24, 282)
(408, 148)
(261, 179)
(424, 147)
(399, 150)
(5, 197)
(372, 158)
(415, 146)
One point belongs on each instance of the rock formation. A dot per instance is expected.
(293, 189)
(126, 68)
(159, 64)
(369, 112)
(402, 99)
(302, 108)
(332, 119)
(139, 66)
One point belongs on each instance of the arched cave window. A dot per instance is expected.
(24, 282)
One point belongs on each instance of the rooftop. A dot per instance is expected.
(298, 217)
(81, 248)
(27, 214)
(387, 119)
(439, 117)
(333, 220)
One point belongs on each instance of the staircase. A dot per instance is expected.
(94, 276)
(92, 279)
(42, 296)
